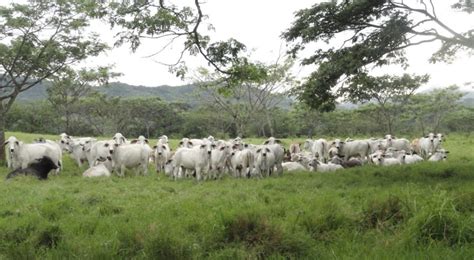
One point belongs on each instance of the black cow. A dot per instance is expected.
(39, 169)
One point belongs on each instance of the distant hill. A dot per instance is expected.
(185, 93)
(117, 89)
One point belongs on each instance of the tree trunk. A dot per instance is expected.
(2, 139)
(270, 124)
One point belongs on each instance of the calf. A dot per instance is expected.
(39, 168)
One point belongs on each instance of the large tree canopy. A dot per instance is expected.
(37, 41)
(372, 32)
(157, 19)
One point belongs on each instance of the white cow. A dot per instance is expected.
(103, 167)
(356, 148)
(219, 157)
(293, 166)
(162, 154)
(380, 158)
(320, 149)
(265, 161)
(413, 158)
(428, 145)
(196, 158)
(96, 149)
(278, 151)
(324, 167)
(21, 154)
(439, 155)
(375, 145)
(242, 162)
(130, 156)
(397, 143)
(163, 139)
(77, 151)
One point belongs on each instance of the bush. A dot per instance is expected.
(383, 214)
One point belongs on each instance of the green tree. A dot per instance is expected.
(157, 19)
(69, 86)
(390, 93)
(39, 39)
(372, 33)
(250, 100)
(430, 109)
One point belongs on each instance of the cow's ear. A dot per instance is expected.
(266, 142)
(146, 140)
(278, 141)
(134, 141)
(106, 144)
(268, 150)
(446, 151)
(123, 139)
(154, 147)
(258, 150)
(394, 137)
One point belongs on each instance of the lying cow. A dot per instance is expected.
(40, 169)
(103, 167)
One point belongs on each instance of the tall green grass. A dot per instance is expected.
(422, 211)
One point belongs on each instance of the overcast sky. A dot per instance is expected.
(258, 24)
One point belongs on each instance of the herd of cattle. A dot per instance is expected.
(209, 158)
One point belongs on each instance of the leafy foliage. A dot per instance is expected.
(373, 33)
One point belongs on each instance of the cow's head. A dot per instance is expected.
(430, 137)
(119, 138)
(207, 146)
(12, 144)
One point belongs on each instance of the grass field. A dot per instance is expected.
(423, 211)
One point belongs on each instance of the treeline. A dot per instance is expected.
(100, 115)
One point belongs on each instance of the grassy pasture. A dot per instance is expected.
(423, 211)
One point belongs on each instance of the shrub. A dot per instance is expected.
(383, 213)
